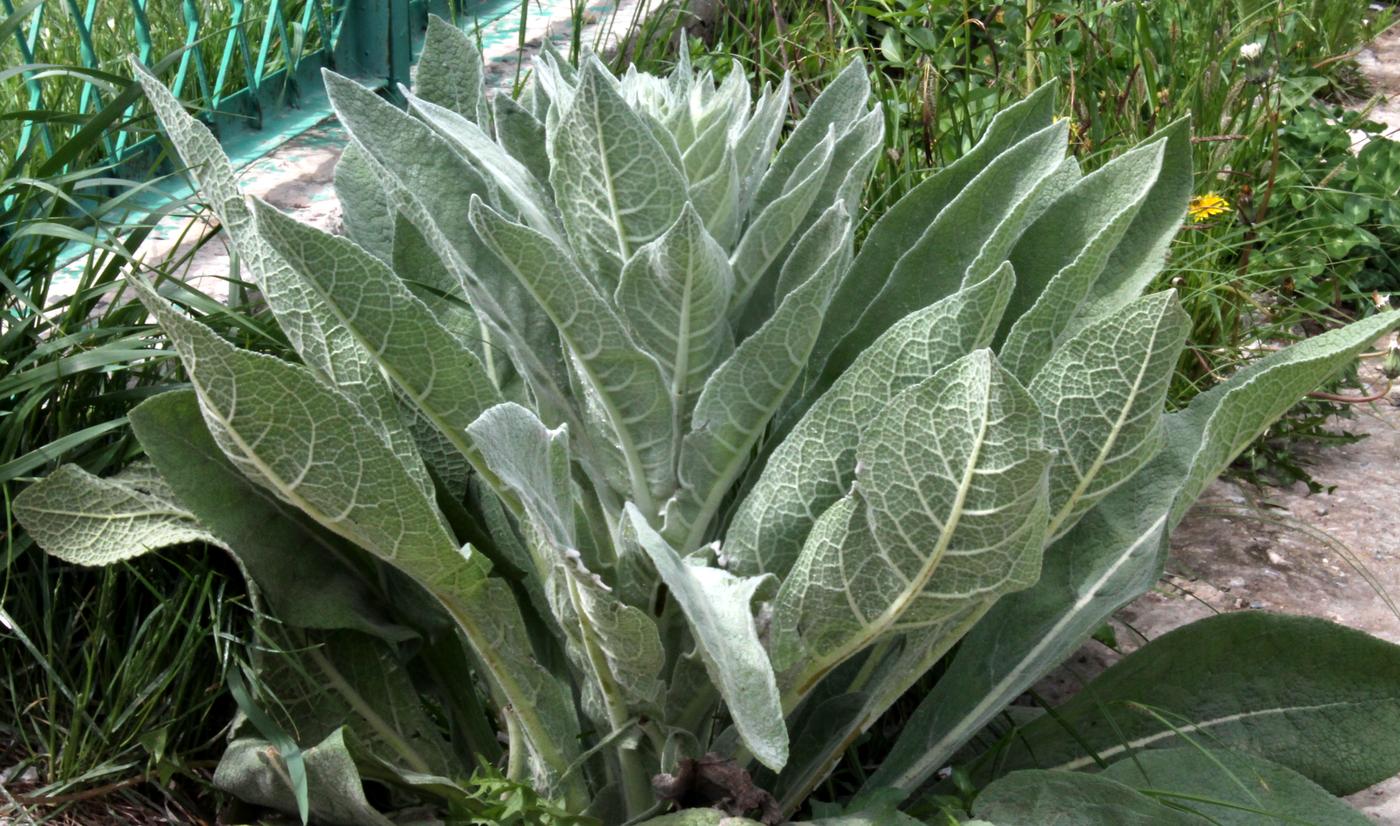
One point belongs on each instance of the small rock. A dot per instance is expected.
(1237, 582)
(1321, 510)
(1275, 559)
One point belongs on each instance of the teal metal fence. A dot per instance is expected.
(250, 66)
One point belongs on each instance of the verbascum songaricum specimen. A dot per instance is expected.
(606, 435)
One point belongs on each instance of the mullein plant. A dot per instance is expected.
(611, 456)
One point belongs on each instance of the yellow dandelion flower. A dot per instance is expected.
(1207, 206)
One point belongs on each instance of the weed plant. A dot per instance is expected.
(111, 676)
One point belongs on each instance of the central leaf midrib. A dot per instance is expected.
(1087, 478)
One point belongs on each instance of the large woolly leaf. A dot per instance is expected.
(520, 191)
(902, 225)
(719, 608)
(308, 444)
(1102, 394)
(746, 390)
(1060, 256)
(626, 383)
(313, 448)
(430, 366)
(979, 225)
(300, 568)
(674, 294)
(1232, 788)
(618, 642)
(431, 183)
(89, 520)
(365, 209)
(833, 112)
(1112, 555)
(1143, 249)
(948, 510)
(449, 72)
(774, 227)
(1315, 697)
(753, 147)
(616, 187)
(815, 464)
(326, 347)
(522, 135)
(1046, 798)
(1206, 437)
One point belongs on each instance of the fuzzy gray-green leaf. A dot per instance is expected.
(628, 384)
(1103, 394)
(616, 188)
(815, 463)
(1062, 254)
(449, 72)
(89, 520)
(719, 609)
(948, 509)
(674, 294)
(744, 392)
(432, 367)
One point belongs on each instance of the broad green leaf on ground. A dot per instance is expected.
(615, 186)
(674, 294)
(941, 261)
(449, 72)
(1049, 798)
(364, 205)
(1062, 254)
(1111, 556)
(325, 347)
(741, 396)
(903, 224)
(1232, 788)
(719, 608)
(948, 510)
(815, 463)
(90, 520)
(302, 570)
(1317, 698)
(253, 770)
(1102, 394)
(626, 383)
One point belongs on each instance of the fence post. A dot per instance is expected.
(376, 42)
